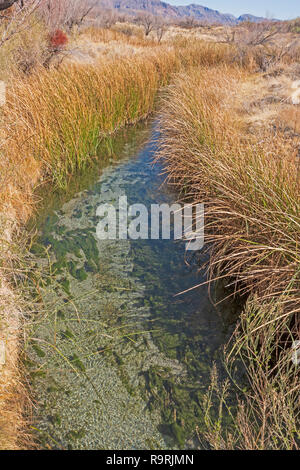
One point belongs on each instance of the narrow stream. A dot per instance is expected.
(116, 360)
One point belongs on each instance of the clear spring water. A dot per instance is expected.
(116, 360)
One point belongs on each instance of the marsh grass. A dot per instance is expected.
(59, 117)
(251, 192)
(51, 127)
(15, 401)
(54, 120)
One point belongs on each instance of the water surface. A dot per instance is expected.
(118, 361)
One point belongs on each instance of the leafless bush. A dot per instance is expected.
(66, 14)
(107, 18)
(122, 18)
(151, 23)
(160, 28)
(294, 26)
(28, 55)
(257, 43)
(256, 34)
(126, 29)
(148, 22)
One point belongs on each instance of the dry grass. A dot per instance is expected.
(13, 393)
(53, 121)
(93, 44)
(225, 162)
(14, 399)
(251, 189)
(55, 118)
(24, 51)
(290, 117)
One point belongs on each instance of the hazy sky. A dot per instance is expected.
(281, 9)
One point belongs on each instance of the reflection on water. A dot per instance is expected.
(117, 360)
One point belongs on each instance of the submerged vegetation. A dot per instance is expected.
(230, 137)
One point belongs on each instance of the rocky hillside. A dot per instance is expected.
(159, 8)
(205, 14)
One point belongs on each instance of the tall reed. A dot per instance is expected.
(251, 192)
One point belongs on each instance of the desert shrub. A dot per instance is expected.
(25, 50)
(129, 30)
(65, 14)
(58, 40)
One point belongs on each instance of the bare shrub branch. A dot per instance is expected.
(66, 14)
(17, 20)
(147, 21)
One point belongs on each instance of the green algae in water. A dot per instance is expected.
(38, 351)
(74, 359)
(127, 365)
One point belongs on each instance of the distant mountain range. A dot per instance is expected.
(163, 9)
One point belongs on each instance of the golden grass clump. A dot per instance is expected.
(123, 33)
(53, 121)
(198, 52)
(14, 397)
(251, 188)
(251, 191)
(25, 50)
